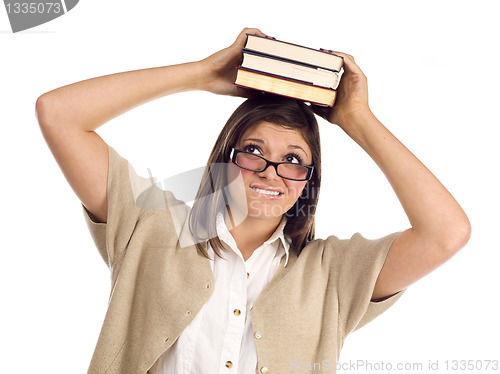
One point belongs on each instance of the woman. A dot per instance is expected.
(268, 298)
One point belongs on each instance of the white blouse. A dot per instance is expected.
(220, 338)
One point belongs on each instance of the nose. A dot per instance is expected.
(269, 173)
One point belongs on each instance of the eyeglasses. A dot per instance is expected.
(287, 170)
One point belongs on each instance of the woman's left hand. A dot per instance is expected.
(440, 227)
(352, 94)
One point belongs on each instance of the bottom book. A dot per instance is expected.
(281, 86)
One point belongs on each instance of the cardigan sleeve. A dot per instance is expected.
(124, 188)
(360, 263)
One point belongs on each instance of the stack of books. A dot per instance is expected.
(291, 70)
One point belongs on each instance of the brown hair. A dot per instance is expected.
(286, 112)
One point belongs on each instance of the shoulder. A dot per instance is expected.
(355, 250)
(332, 246)
(148, 194)
(322, 253)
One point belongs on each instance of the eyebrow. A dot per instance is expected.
(292, 146)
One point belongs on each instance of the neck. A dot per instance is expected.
(251, 233)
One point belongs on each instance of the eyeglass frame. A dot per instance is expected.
(234, 153)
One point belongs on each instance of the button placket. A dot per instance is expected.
(236, 324)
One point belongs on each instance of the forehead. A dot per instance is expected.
(274, 134)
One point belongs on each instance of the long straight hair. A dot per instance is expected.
(210, 199)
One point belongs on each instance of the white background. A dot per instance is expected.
(432, 68)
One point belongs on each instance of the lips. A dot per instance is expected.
(267, 192)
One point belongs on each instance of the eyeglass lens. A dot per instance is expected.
(253, 162)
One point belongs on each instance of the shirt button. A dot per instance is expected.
(229, 364)
(264, 370)
(248, 275)
(237, 312)
(257, 335)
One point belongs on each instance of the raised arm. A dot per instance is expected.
(69, 115)
(439, 227)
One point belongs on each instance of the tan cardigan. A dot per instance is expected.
(302, 317)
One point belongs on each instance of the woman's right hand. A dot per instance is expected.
(220, 68)
(69, 115)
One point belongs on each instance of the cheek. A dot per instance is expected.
(233, 172)
(235, 183)
(295, 188)
(246, 174)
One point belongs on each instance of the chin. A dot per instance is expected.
(267, 211)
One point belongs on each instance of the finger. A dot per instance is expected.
(349, 61)
(345, 55)
(242, 37)
(252, 30)
(350, 65)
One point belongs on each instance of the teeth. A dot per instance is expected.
(266, 192)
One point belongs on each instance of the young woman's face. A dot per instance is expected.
(269, 196)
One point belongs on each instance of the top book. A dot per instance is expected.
(294, 52)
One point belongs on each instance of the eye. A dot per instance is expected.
(293, 158)
(252, 148)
